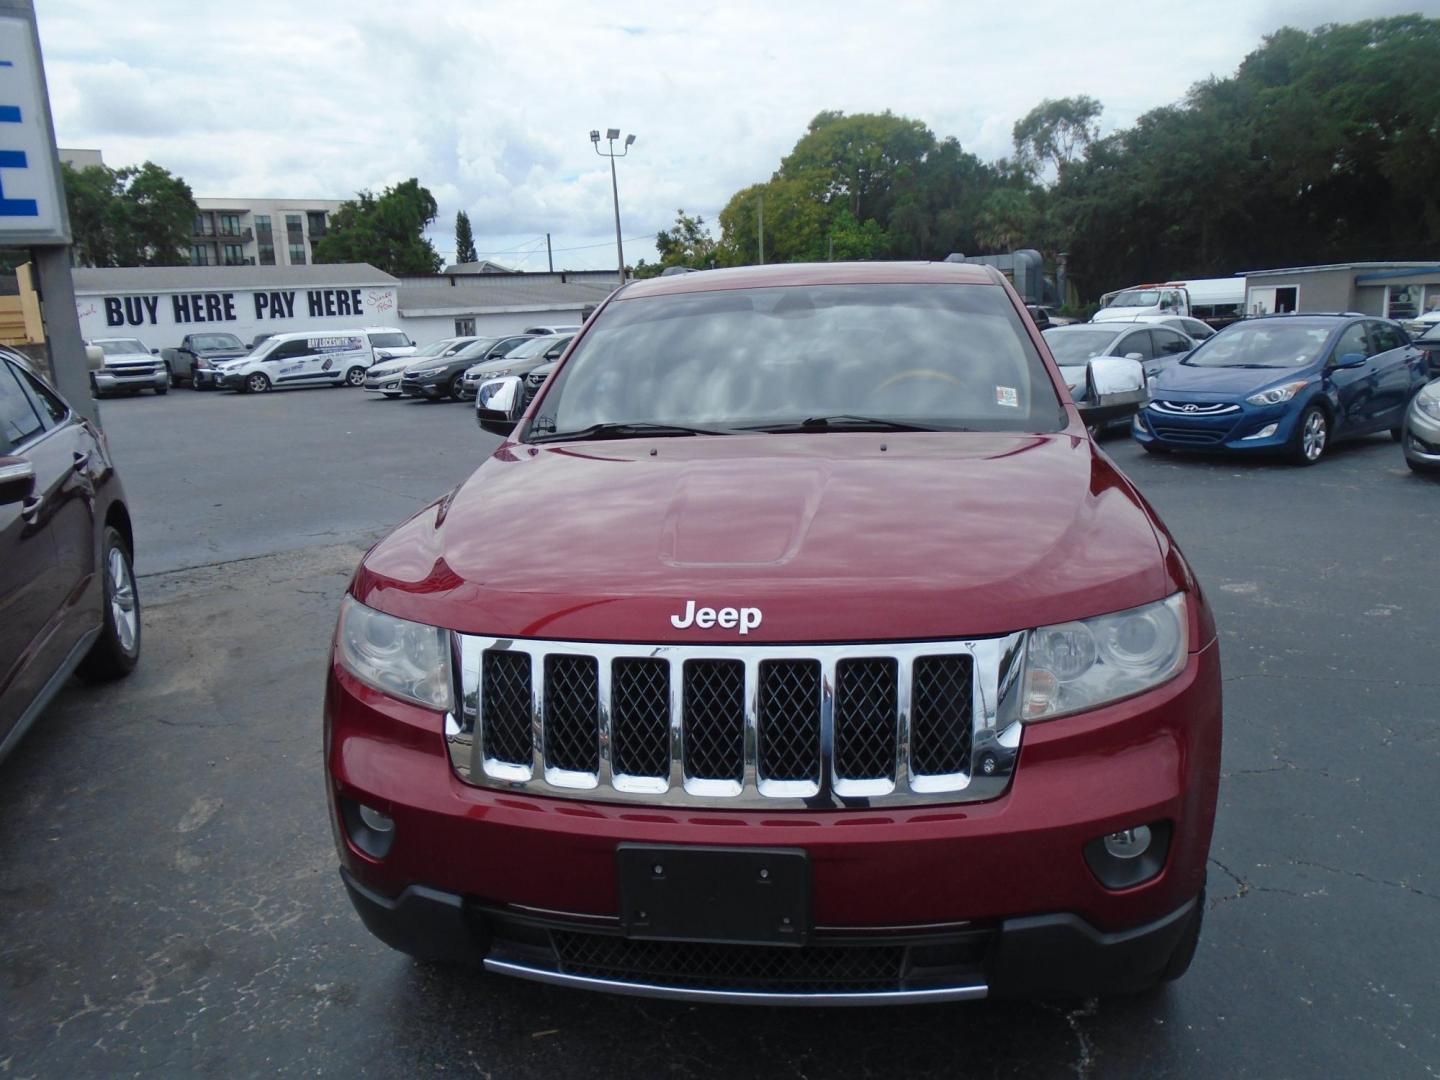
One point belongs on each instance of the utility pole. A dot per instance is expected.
(611, 135)
(549, 255)
(762, 227)
(829, 247)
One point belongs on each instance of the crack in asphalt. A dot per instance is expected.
(1084, 1065)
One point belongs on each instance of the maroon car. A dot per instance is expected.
(68, 600)
(840, 666)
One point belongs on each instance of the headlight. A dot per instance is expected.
(407, 660)
(424, 373)
(1278, 395)
(1428, 402)
(1075, 666)
(494, 374)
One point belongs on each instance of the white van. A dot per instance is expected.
(304, 359)
(1164, 299)
(388, 342)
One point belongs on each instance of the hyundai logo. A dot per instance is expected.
(1190, 408)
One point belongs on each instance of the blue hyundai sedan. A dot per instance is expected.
(1289, 384)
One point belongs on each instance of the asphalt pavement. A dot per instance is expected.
(168, 897)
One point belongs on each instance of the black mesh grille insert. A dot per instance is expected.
(940, 718)
(812, 969)
(572, 713)
(714, 713)
(865, 706)
(505, 704)
(789, 720)
(640, 717)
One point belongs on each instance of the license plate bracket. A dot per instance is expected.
(737, 896)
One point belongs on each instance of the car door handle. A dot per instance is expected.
(30, 508)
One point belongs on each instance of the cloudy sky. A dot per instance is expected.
(490, 102)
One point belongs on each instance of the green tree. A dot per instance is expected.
(1055, 132)
(387, 231)
(1007, 220)
(464, 239)
(686, 243)
(136, 216)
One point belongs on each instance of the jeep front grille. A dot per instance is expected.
(743, 725)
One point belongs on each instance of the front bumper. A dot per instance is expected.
(1421, 439)
(1239, 431)
(109, 381)
(383, 384)
(434, 387)
(1051, 955)
(876, 871)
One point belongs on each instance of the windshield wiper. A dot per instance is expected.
(625, 429)
(848, 422)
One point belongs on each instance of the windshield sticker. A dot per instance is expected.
(1007, 396)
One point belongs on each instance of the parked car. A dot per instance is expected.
(1420, 433)
(1169, 298)
(1291, 384)
(1154, 346)
(839, 665)
(68, 600)
(193, 363)
(1429, 344)
(384, 377)
(260, 339)
(548, 330)
(288, 361)
(520, 361)
(129, 366)
(442, 377)
(1196, 330)
(535, 379)
(1423, 322)
(388, 342)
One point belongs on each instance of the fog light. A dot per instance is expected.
(1264, 433)
(1129, 857)
(1126, 844)
(383, 823)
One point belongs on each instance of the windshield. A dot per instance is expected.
(1136, 298)
(941, 356)
(1262, 345)
(389, 341)
(535, 347)
(125, 346)
(1073, 347)
(435, 348)
(477, 349)
(216, 341)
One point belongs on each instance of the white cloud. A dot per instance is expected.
(490, 105)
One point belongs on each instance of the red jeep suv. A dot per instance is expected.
(798, 645)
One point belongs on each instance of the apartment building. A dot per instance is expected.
(259, 232)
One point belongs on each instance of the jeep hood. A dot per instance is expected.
(835, 537)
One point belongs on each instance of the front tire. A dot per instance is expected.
(257, 382)
(117, 649)
(1312, 436)
(457, 387)
(165, 389)
(355, 377)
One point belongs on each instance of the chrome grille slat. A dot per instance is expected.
(739, 725)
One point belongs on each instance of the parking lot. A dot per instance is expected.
(170, 900)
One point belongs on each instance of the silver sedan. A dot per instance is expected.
(1420, 434)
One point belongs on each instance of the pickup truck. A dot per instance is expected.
(192, 363)
(842, 666)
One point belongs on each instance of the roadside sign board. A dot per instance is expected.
(32, 197)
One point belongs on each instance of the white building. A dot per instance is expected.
(442, 305)
(80, 159)
(259, 232)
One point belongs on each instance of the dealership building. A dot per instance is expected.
(1395, 290)
(161, 304)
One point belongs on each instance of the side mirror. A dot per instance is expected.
(94, 358)
(1351, 359)
(1114, 388)
(17, 479)
(498, 404)
(154, 352)
(1134, 356)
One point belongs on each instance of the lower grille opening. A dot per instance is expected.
(812, 969)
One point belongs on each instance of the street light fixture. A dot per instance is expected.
(611, 134)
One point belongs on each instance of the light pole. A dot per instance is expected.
(611, 134)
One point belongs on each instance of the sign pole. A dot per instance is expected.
(62, 330)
